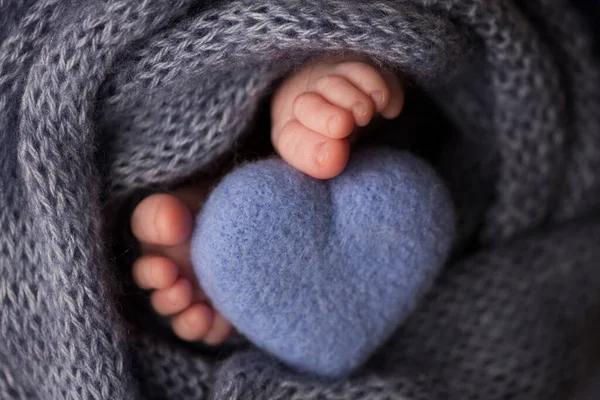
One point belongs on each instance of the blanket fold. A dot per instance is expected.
(99, 99)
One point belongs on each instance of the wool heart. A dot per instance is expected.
(320, 273)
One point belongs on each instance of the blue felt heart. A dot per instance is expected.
(320, 273)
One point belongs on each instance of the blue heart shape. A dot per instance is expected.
(320, 273)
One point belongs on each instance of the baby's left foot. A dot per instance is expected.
(315, 110)
(163, 224)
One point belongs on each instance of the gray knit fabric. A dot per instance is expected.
(99, 99)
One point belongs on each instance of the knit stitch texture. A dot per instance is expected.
(100, 99)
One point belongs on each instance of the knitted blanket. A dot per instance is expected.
(100, 99)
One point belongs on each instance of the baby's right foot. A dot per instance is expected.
(315, 110)
(163, 225)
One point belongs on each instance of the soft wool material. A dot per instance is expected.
(306, 269)
(100, 99)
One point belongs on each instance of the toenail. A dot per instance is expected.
(333, 124)
(359, 109)
(377, 97)
(322, 153)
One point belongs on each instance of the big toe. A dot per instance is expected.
(161, 219)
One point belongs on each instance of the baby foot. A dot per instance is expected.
(163, 224)
(315, 110)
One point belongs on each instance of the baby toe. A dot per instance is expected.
(310, 152)
(396, 103)
(194, 322)
(340, 91)
(173, 299)
(220, 330)
(161, 219)
(317, 114)
(153, 272)
(369, 80)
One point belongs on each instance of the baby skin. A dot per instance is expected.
(313, 113)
